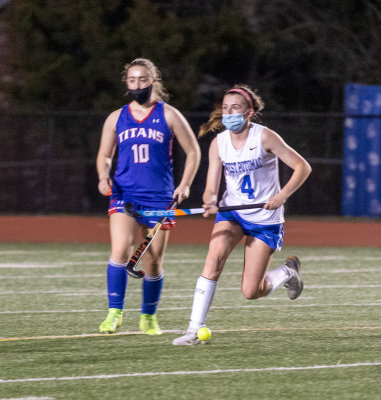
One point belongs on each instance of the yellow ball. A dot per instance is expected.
(204, 333)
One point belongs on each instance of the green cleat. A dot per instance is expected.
(148, 324)
(112, 321)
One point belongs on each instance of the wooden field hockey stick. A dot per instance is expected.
(188, 211)
(144, 245)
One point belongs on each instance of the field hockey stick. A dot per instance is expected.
(189, 211)
(144, 245)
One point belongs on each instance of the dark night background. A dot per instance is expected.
(61, 64)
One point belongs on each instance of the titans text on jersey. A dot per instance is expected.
(243, 166)
(143, 132)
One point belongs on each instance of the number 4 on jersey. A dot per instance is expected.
(247, 187)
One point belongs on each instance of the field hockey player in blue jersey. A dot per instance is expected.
(249, 153)
(141, 133)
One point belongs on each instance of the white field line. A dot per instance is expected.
(171, 254)
(52, 251)
(177, 296)
(36, 251)
(80, 253)
(188, 308)
(238, 273)
(178, 331)
(55, 276)
(340, 286)
(101, 293)
(60, 264)
(202, 372)
(28, 398)
(44, 265)
(343, 271)
(221, 289)
(61, 292)
(321, 271)
(90, 253)
(190, 260)
(163, 296)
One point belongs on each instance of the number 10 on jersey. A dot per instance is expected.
(141, 153)
(247, 187)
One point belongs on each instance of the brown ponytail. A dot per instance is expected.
(214, 123)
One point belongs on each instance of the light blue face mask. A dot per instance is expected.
(233, 122)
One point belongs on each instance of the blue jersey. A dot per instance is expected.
(144, 170)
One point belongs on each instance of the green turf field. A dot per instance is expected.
(324, 345)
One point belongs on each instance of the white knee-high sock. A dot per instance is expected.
(279, 276)
(203, 297)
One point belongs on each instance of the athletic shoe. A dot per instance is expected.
(294, 285)
(188, 339)
(112, 321)
(148, 324)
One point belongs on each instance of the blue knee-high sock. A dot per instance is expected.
(151, 293)
(116, 284)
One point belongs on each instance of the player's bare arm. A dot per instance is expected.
(187, 140)
(213, 180)
(106, 152)
(273, 143)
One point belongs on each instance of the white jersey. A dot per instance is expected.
(251, 176)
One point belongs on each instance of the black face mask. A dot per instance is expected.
(141, 95)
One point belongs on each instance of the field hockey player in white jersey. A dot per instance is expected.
(142, 134)
(249, 154)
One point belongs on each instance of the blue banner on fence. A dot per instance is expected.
(362, 151)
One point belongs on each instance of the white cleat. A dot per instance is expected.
(188, 339)
(294, 285)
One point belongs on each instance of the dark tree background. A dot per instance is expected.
(61, 65)
(69, 54)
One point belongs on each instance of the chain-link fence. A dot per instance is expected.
(47, 161)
